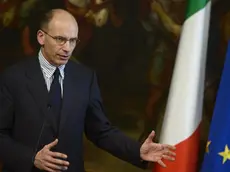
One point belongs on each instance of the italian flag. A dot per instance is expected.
(184, 107)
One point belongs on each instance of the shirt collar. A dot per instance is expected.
(48, 68)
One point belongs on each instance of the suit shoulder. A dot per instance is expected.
(15, 70)
(78, 66)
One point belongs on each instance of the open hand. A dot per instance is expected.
(50, 161)
(155, 152)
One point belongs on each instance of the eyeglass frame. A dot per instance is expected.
(64, 39)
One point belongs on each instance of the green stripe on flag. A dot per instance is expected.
(194, 6)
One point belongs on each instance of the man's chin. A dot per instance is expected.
(62, 62)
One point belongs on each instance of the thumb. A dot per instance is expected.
(151, 136)
(52, 144)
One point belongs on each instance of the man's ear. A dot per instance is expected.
(41, 37)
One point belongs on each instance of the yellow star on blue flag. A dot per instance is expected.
(217, 156)
(225, 154)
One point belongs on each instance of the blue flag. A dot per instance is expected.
(217, 156)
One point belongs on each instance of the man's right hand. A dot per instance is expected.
(50, 161)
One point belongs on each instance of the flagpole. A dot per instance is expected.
(183, 115)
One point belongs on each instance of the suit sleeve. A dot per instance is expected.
(13, 154)
(99, 130)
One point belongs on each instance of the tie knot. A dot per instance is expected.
(56, 73)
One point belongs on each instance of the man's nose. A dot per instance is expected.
(67, 46)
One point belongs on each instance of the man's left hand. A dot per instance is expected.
(156, 152)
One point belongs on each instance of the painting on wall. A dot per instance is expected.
(132, 45)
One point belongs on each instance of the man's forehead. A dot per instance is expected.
(59, 20)
(68, 33)
(65, 27)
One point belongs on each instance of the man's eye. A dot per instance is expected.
(73, 40)
(60, 39)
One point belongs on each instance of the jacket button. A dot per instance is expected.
(48, 106)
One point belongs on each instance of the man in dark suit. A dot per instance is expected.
(47, 103)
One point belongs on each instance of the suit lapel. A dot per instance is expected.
(37, 86)
(38, 89)
(70, 91)
(67, 87)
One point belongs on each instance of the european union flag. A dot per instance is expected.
(217, 157)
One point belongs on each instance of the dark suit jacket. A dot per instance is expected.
(24, 107)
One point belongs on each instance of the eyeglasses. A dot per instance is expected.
(60, 40)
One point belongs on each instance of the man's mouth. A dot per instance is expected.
(64, 57)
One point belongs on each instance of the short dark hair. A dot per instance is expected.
(46, 18)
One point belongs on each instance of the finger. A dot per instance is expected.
(52, 144)
(155, 157)
(50, 170)
(161, 163)
(58, 155)
(58, 161)
(170, 158)
(55, 167)
(169, 146)
(151, 136)
(170, 153)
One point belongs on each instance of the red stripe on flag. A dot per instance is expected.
(186, 156)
